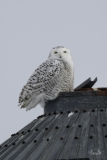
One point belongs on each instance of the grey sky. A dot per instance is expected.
(28, 31)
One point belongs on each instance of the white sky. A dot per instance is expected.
(28, 31)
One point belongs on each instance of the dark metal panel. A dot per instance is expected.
(78, 135)
(86, 84)
(104, 129)
(39, 140)
(9, 144)
(92, 134)
(99, 146)
(83, 143)
(48, 135)
(70, 125)
(77, 100)
(102, 124)
(29, 139)
(16, 149)
(58, 141)
(13, 136)
(74, 138)
(65, 151)
(75, 159)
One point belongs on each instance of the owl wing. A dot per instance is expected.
(45, 74)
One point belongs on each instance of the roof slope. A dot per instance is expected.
(74, 126)
(62, 135)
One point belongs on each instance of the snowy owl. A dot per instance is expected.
(53, 76)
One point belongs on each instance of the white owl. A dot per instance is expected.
(53, 76)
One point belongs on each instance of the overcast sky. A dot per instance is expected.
(28, 31)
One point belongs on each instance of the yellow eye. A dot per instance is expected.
(65, 51)
(55, 52)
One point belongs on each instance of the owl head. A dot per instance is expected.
(60, 52)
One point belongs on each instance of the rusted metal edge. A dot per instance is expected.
(85, 92)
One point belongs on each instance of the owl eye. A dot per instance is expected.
(65, 51)
(55, 52)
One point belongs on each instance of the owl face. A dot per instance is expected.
(60, 53)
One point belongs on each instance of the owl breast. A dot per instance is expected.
(63, 83)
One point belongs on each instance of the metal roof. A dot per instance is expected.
(54, 136)
(74, 126)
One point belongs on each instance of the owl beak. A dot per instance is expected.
(60, 56)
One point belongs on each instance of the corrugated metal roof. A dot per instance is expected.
(62, 135)
(74, 126)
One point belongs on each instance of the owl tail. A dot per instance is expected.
(34, 101)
